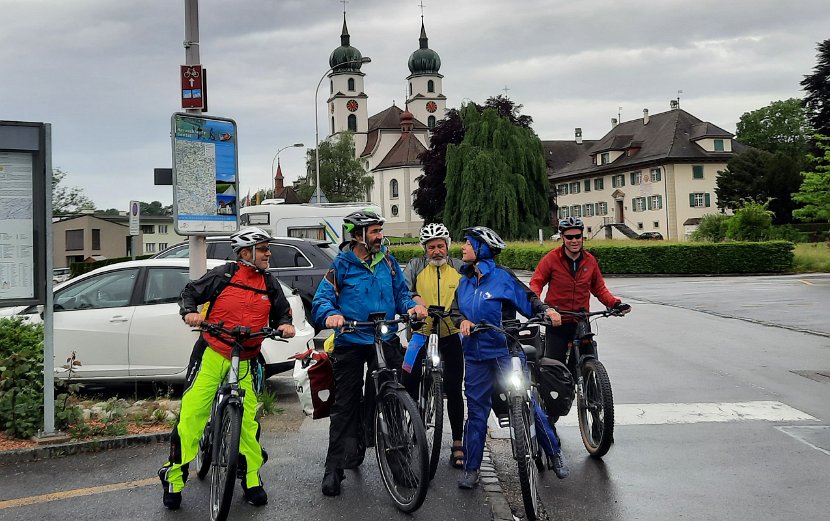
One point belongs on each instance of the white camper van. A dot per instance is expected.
(309, 221)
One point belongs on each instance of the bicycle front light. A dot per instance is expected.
(384, 329)
(516, 381)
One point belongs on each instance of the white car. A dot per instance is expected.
(122, 322)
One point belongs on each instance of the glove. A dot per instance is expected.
(622, 308)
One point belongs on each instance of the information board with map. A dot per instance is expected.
(16, 234)
(205, 175)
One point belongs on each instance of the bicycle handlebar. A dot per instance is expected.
(585, 315)
(240, 333)
(351, 325)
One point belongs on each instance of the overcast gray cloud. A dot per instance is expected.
(105, 72)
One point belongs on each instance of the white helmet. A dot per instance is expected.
(248, 237)
(434, 231)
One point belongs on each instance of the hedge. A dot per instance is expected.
(653, 258)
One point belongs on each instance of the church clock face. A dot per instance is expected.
(352, 105)
(431, 107)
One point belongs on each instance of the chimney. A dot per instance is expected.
(674, 104)
(645, 116)
(613, 122)
(578, 135)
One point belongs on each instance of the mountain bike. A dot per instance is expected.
(400, 439)
(521, 392)
(218, 451)
(431, 391)
(595, 401)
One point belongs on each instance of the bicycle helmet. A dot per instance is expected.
(248, 237)
(570, 223)
(434, 231)
(362, 218)
(488, 237)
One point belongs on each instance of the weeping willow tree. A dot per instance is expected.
(496, 177)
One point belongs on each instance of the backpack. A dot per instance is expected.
(556, 386)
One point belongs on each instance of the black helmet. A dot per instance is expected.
(362, 218)
(570, 223)
(488, 237)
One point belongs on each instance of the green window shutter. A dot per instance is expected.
(697, 172)
(692, 200)
(659, 201)
(706, 200)
(648, 201)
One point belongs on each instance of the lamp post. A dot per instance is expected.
(364, 59)
(277, 155)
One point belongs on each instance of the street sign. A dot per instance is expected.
(135, 215)
(193, 91)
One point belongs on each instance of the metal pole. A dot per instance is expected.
(196, 243)
(48, 317)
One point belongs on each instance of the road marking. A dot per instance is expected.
(810, 435)
(806, 282)
(684, 413)
(66, 494)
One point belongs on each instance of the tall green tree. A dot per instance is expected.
(780, 127)
(342, 177)
(761, 177)
(496, 177)
(817, 87)
(67, 199)
(155, 208)
(814, 193)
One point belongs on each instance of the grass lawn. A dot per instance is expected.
(812, 257)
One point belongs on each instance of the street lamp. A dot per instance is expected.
(277, 155)
(364, 59)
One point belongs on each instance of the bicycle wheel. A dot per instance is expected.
(433, 416)
(223, 474)
(596, 409)
(401, 449)
(520, 418)
(204, 454)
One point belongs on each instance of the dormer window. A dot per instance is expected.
(718, 145)
(603, 158)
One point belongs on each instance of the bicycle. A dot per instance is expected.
(521, 391)
(595, 401)
(431, 391)
(218, 451)
(400, 439)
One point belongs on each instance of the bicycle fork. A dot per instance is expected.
(518, 387)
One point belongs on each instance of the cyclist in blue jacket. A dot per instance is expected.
(489, 292)
(364, 278)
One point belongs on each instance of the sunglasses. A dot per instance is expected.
(573, 237)
(262, 248)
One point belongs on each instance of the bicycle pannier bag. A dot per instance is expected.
(556, 386)
(314, 381)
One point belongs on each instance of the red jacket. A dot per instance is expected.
(566, 292)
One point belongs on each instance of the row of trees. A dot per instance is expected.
(68, 200)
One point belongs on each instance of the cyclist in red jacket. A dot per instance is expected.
(572, 275)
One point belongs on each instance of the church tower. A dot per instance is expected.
(426, 99)
(347, 109)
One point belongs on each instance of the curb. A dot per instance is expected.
(499, 507)
(60, 450)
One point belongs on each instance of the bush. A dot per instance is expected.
(712, 228)
(752, 222)
(21, 377)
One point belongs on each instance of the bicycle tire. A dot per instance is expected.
(401, 448)
(433, 417)
(204, 453)
(223, 473)
(596, 409)
(522, 447)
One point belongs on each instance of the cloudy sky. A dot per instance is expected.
(104, 73)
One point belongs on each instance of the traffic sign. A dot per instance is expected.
(193, 91)
(135, 214)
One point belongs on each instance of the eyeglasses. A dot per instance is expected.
(263, 248)
(573, 237)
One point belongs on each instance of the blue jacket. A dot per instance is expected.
(354, 288)
(498, 294)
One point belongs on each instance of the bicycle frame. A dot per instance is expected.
(583, 335)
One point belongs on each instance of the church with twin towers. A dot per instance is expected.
(388, 143)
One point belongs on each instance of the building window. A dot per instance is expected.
(656, 224)
(636, 177)
(697, 172)
(351, 84)
(574, 187)
(562, 189)
(431, 122)
(588, 210)
(162, 246)
(699, 200)
(331, 87)
(150, 247)
(602, 208)
(655, 202)
(617, 181)
(430, 86)
(656, 174)
(74, 240)
(638, 204)
(564, 212)
(148, 228)
(394, 210)
(639, 226)
(603, 158)
(352, 122)
(163, 229)
(410, 88)
(718, 145)
(393, 188)
(332, 126)
(576, 211)
(96, 239)
(587, 185)
(599, 183)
